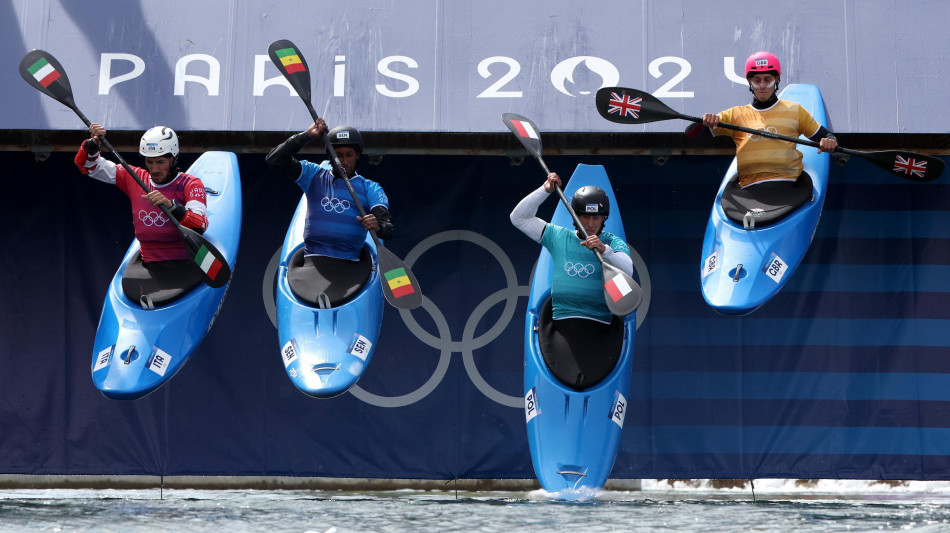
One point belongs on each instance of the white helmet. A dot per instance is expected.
(160, 140)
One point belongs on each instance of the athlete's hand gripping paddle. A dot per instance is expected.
(631, 106)
(41, 70)
(622, 294)
(399, 283)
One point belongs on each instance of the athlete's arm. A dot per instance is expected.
(90, 162)
(618, 259)
(524, 214)
(282, 157)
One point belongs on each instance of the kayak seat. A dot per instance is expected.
(160, 284)
(765, 203)
(579, 352)
(325, 282)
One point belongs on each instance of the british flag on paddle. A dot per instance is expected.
(910, 166)
(624, 105)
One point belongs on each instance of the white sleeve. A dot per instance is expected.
(619, 260)
(524, 214)
(102, 169)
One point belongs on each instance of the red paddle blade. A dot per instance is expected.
(41, 70)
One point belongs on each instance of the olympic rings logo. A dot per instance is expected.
(152, 218)
(444, 340)
(756, 137)
(334, 204)
(578, 269)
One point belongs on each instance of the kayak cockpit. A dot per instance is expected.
(326, 282)
(765, 203)
(579, 352)
(160, 284)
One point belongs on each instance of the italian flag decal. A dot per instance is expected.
(399, 282)
(290, 59)
(208, 263)
(617, 288)
(524, 129)
(44, 73)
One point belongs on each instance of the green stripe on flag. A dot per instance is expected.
(285, 52)
(38, 65)
(200, 256)
(394, 273)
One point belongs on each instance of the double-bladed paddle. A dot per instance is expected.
(622, 294)
(399, 283)
(41, 70)
(631, 106)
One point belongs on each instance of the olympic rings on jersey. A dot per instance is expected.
(578, 269)
(152, 218)
(334, 204)
(757, 137)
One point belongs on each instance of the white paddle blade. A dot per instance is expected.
(622, 294)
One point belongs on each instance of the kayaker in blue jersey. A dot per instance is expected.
(579, 311)
(334, 227)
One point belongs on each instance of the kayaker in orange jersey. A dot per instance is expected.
(763, 159)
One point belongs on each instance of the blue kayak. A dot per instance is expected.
(753, 244)
(574, 434)
(146, 335)
(328, 317)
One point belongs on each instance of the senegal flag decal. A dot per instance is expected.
(290, 59)
(399, 282)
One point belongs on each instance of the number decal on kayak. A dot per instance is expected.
(289, 352)
(531, 405)
(103, 358)
(360, 347)
(158, 362)
(775, 268)
(618, 411)
(711, 264)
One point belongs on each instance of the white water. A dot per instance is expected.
(779, 505)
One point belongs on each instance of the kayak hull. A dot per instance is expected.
(741, 268)
(136, 349)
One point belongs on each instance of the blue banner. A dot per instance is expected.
(844, 374)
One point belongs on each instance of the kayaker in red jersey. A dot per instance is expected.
(764, 159)
(183, 194)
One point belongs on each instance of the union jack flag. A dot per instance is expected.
(910, 166)
(623, 105)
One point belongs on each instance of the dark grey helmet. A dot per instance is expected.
(590, 200)
(341, 136)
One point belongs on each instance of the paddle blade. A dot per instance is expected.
(208, 259)
(41, 70)
(525, 131)
(622, 294)
(290, 62)
(908, 165)
(630, 106)
(399, 283)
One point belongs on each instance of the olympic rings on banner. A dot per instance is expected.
(468, 343)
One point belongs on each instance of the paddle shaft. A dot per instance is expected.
(338, 169)
(764, 133)
(126, 166)
(567, 204)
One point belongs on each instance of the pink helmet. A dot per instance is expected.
(762, 62)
